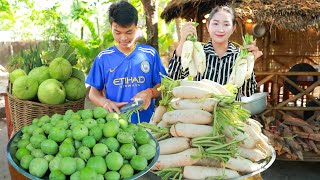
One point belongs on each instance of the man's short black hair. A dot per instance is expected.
(123, 13)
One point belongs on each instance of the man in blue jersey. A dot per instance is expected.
(127, 70)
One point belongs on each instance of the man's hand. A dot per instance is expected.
(112, 106)
(146, 96)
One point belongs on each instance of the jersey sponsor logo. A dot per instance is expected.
(145, 66)
(129, 81)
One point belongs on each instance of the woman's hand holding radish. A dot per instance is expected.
(253, 48)
(112, 106)
(146, 96)
(187, 29)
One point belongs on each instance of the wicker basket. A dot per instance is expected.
(23, 112)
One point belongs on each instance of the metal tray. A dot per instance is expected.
(266, 164)
(11, 149)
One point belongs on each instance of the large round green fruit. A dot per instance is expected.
(15, 74)
(51, 91)
(60, 69)
(75, 89)
(40, 73)
(25, 88)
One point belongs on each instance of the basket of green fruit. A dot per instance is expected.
(87, 144)
(50, 88)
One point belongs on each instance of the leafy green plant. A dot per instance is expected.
(26, 60)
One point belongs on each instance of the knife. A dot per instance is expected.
(132, 105)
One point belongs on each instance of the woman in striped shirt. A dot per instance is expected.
(220, 53)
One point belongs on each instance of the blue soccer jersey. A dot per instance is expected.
(124, 76)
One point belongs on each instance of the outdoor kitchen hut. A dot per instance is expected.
(288, 34)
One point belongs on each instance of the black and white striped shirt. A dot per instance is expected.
(217, 69)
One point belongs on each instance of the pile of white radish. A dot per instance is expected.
(192, 150)
(243, 67)
(193, 56)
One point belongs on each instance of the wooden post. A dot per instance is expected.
(265, 50)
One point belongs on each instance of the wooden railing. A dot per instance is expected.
(280, 99)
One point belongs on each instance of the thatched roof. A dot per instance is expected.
(294, 15)
(188, 9)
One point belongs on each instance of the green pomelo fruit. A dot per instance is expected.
(67, 149)
(100, 150)
(126, 171)
(99, 112)
(132, 128)
(79, 132)
(47, 127)
(96, 132)
(142, 137)
(40, 73)
(112, 144)
(56, 117)
(123, 123)
(48, 157)
(60, 69)
(88, 173)
(37, 153)
(89, 141)
(75, 89)
(138, 162)
(45, 119)
(128, 151)
(55, 163)
(75, 176)
(101, 121)
(49, 146)
(89, 123)
(147, 151)
(78, 74)
(57, 175)
(100, 177)
(84, 153)
(112, 175)
(110, 129)
(25, 88)
(57, 134)
(114, 161)
(38, 131)
(51, 91)
(36, 140)
(25, 161)
(86, 114)
(68, 165)
(98, 164)
(124, 137)
(23, 143)
(38, 167)
(112, 116)
(16, 74)
(80, 163)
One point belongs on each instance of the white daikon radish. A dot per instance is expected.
(174, 145)
(223, 90)
(201, 84)
(206, 105)
(186, 54)
(201, 172)
(190, 92)
(242, 165)
(190, 130)
(252, 154)
(250, 66)
(199, 57)
(181, 159)
(189, 116)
